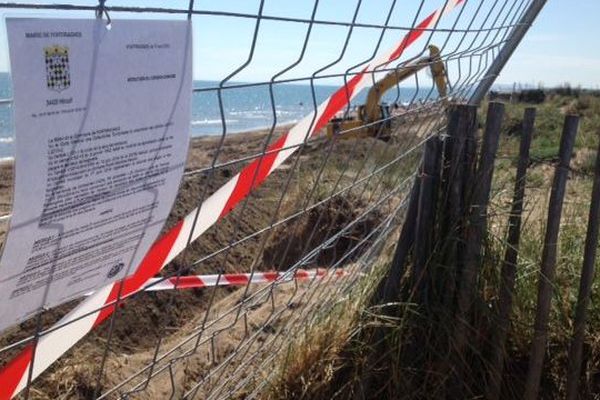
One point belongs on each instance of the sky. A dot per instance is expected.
(560, 47)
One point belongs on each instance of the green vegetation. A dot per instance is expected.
(549, 122)
(544, 151)
(344, 369)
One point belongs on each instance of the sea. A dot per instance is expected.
(244, 108)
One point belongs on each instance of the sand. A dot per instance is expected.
(171, 315)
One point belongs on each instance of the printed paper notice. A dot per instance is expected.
(101, 120)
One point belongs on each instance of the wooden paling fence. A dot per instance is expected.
(440, 255)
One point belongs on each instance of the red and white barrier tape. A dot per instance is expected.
(239, 279)
(95, 309)
(202, 281)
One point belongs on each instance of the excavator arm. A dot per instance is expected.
(372, 110)
(438, 71)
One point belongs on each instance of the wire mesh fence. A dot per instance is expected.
(301, 194)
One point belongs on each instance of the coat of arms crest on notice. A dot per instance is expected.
(58, 77)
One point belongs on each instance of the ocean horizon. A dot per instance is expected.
(244, 108)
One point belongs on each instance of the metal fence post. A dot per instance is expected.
(548, 264)
(509, 266)
(508, 49)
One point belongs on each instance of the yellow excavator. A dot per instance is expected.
(373, 118)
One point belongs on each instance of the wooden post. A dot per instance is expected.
(475, 231)
(585, 288)
(389, 289)
(548, 264)
(462, 120)
(509, 266)
(425, 215)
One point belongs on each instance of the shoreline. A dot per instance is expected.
(9, 160)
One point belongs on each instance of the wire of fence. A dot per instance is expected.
(331, 198)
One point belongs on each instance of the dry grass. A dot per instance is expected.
(334, 358)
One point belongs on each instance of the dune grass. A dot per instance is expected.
(337, 365)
